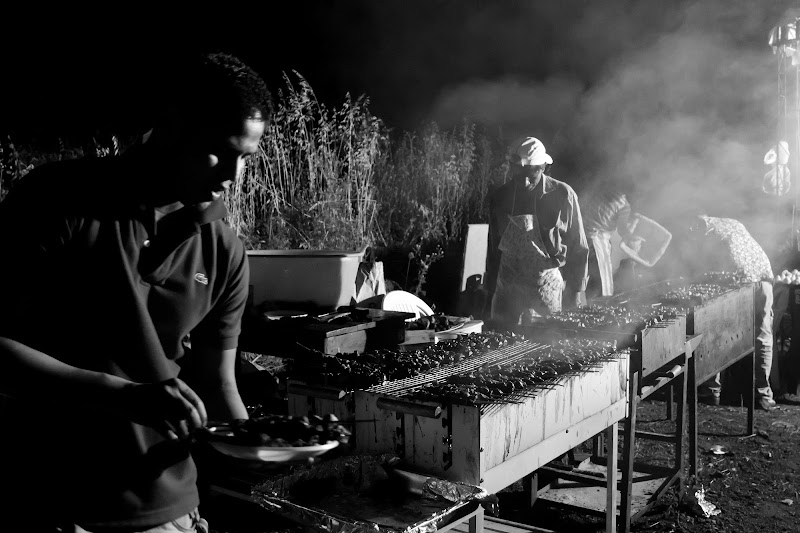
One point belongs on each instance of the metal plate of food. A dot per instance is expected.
(274, 454)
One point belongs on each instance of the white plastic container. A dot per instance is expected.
(654, 240)
(322, 278)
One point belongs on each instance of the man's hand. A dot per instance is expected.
(634, 243)
(572, 298)
(580, 298)
(171, 407)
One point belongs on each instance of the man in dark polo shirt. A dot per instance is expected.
(108, 265)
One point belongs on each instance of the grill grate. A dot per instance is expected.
(499, 356)
(407, 388)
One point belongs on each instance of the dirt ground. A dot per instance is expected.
(755, 485)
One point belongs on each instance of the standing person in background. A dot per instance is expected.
(537, 246)
(714, 244)
(605, 209)
(116, 262)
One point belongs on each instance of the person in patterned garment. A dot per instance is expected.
(725, 245)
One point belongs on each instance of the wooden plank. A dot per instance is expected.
(536, 456)
(316, 391)
(355, 341)
(467, 451)
(514, 428)
(661, 344)
(377, 431)
(594, 498)
(328, 329)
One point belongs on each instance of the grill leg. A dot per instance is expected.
(691, 400)
(670, 394)
(611, 479)
(628, 456)
(476, 522)
(750, 393)
(679, 421)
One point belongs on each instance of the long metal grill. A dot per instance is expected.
(499, 356)
(524, 353)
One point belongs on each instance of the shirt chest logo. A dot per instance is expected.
(201, 278)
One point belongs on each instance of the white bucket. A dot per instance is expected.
(654, 239)
(325, 279)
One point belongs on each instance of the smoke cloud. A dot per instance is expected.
(680, 97)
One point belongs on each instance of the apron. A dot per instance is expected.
(601, 242)
(527, 283)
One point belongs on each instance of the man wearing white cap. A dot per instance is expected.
(538, 253)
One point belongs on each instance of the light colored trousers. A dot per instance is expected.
(763, 346)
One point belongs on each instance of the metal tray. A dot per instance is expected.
(361, 493)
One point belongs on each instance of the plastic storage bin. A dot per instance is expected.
(654, 240)
(325, 279)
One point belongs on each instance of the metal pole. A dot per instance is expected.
(781, 135)
(796, 157)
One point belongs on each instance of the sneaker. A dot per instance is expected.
(765, 404)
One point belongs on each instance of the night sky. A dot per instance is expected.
(415, 59)
(679, 91)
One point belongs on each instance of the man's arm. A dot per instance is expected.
(170, 407)
(215, 381)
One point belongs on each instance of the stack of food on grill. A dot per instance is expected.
(508, 382)
(363, 370)
(702, 290)
(611, 317)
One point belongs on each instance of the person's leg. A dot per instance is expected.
(779, 372)
(763, 345)
(709, 392)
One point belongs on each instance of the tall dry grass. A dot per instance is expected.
(311, 184)
(434, 183)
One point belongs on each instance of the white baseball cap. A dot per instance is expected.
(532, 152)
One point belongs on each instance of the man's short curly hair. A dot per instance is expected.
(219, 87)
